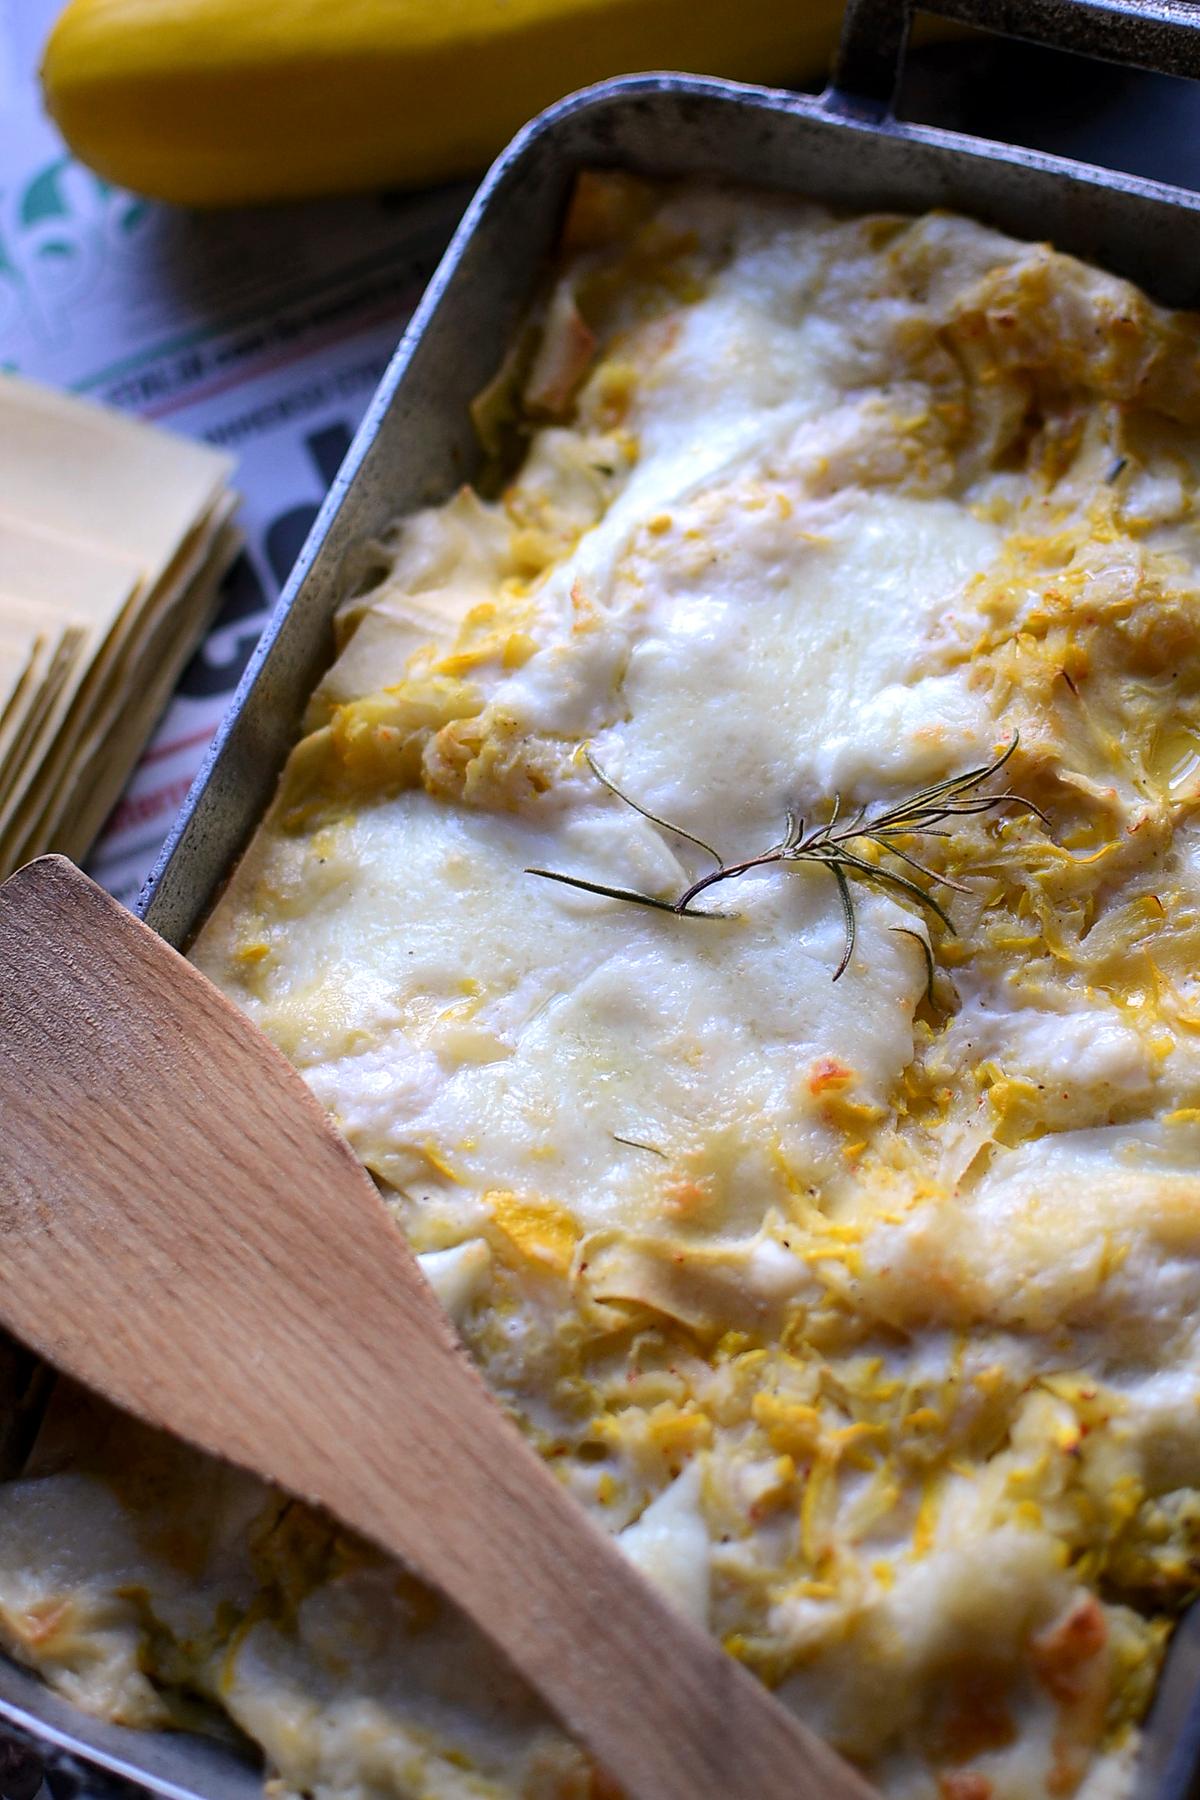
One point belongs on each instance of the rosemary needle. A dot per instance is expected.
(630, 894)
(835, 846)
(663, 824)
(636, 1144)
(922, 943)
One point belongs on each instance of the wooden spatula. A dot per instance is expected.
(182, 1229)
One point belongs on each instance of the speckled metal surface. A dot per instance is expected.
(416, 445)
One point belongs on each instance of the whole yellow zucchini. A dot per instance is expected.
(215, 102)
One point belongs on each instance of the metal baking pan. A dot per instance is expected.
(416, 445)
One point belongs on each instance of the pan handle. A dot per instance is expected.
(1163, 35)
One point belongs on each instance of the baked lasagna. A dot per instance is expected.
(738, 891)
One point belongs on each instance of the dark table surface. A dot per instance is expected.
(1069, 105)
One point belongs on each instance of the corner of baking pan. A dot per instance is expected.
(505, 168)
(173, 1765)
(596, 100)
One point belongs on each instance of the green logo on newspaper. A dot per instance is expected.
(58, 233)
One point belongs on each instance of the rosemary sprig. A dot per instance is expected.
(837, 846)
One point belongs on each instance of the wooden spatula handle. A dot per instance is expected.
(211, 1256)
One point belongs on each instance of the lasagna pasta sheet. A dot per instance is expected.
(862, 1312)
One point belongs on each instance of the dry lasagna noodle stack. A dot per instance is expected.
(113, 538)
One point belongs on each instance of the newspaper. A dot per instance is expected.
(263, 332)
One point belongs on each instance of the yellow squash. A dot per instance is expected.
(215, 102)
